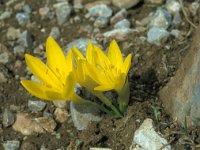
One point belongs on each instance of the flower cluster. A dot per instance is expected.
(96, 71)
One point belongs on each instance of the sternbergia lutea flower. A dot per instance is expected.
(57, 81)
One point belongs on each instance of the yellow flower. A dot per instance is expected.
(57, 82)
(108, 71)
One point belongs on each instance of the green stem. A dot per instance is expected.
(107, 102)
(81, 100)
(123, 97)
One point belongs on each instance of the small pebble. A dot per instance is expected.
(19, 50)
(5, 15)
(125, 23)
(12, 33)
(55, 32)
(173, 6)
(157, 35)
(25, 39)
(8, 118)
(22, 18)
(61, 115)
(118, 16)
(11, 145)
(27, 8)
(3, 79)
(100, 10)
(63, 12)
(161, 18)
(36, 106)
(101, 22)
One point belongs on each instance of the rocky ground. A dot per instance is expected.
(158, 33)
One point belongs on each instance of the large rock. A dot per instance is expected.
(181, 96)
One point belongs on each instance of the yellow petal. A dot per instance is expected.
(41, 91)
(127, 64)
(69, 61)
(56, 59)
(79, 72)
(120, 82)
(77, 54)
(103, 88)
(100, 58)
(41, 71)
(115, 55)
(89, 53)
(96, 74)
(69, 86)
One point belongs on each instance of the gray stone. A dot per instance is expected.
(80, 44)
(19, 49)
(146, 138)
(161, 18)
(77, 4)
(101, 22)
(22, 18)
(27, 8)
(125, 23)
(82, 115)
(4, 57)
(8, 118)
(155, 2)
(55, 33)
(146, 20)
(28, 146)
(11, 145)
(125, 3)
(12, 33)
(5, 15)
(181, 96)
(44, 11)
(119, 34)
(25, 40)
(173, 6)
(100, 10)
(36, 106)
(176, 33)
(63, 12)
(3, 78)
(157, 35)
(43, 148)
(177, 19)
(118, 16)
(193, 8)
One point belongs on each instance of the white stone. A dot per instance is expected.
(173, 6)
(146, 138)
(100, 10)
(119, 34)
(161, 18)
(157, 35)
(125, 3)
